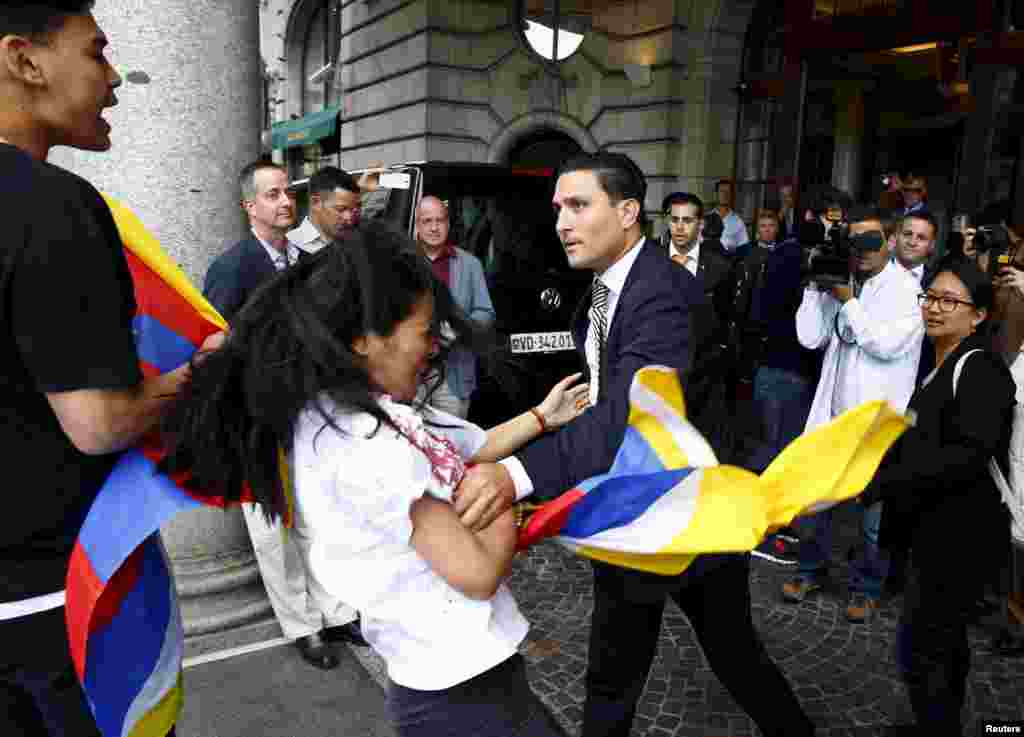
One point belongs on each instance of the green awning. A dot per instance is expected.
(306, 130)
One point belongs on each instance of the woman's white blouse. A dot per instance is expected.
(352, 499)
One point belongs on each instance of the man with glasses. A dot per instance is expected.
(706, 260)
(463, 274)
(871, 330)
(334, 210)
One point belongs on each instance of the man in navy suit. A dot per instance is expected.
(639, 313)
(237, 272)
(306, 613)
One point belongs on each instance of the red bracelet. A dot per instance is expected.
(540, 419)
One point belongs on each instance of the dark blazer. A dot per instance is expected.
(714, 270)
(938, 496)
(236, 274)
(651, 325)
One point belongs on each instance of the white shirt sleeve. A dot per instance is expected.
(814, 318)
(886, 339)
(521, 479)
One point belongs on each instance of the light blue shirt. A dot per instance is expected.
(734, 232)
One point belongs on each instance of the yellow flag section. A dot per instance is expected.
(718, 508)
(144, 245)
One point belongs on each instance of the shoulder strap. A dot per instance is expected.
(958, 369)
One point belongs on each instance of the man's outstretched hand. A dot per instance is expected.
(485, 493)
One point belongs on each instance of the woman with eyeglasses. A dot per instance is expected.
(941, 505)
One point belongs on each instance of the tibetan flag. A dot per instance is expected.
(124, 626)
(666, 499)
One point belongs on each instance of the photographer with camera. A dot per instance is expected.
(870, 326)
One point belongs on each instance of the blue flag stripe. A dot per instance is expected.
(158, 345)
(619, 501)
(135, 501)
(131, 643)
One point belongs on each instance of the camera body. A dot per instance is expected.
(989, 237)
(826, 254)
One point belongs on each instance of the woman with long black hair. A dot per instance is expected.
(322, 365)
(941, 504)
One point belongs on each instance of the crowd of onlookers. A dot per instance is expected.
(833, 304)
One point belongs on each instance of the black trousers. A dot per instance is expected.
(714, 594)
(39, 692)
(932, 649)
(496, 703)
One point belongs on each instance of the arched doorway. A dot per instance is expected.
(543, 148)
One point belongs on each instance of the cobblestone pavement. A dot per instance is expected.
(843, 674)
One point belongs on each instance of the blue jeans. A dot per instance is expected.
(783, 401)
(867, 570)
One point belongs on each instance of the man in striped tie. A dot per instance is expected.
(638, 313)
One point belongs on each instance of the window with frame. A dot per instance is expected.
(539, 19)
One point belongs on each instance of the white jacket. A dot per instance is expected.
(885, 322)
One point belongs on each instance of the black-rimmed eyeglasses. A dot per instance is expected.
(946, 304)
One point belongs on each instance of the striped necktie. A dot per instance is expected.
(599, 328)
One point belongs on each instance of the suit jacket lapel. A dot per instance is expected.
(259, 260)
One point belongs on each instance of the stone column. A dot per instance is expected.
(847, 161)
(189, 118)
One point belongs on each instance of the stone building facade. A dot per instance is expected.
(457, 80)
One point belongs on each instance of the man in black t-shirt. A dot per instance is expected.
(71, 393)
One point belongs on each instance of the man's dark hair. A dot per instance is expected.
(618, 175)
(331, 178)
(819, 201)
(37, 20)
(728, 181)
(247, 177)
(290, 347)
(683, 198)
(861, 212)
(926, 217)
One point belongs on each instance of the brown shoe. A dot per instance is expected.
(797, 589)
(861, 607)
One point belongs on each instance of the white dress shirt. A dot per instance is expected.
(917, 272)
(692, 257)
(280, 260)
(734, 232)
(884, 328)
(307, 237)
(614, 277)
(353, 491)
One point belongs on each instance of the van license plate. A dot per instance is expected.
(542, 342)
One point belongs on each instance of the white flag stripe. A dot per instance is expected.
(698, 453)
(658, 525)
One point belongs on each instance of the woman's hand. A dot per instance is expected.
(1010, 276)
(564, 402)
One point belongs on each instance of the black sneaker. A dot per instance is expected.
(775, 550)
